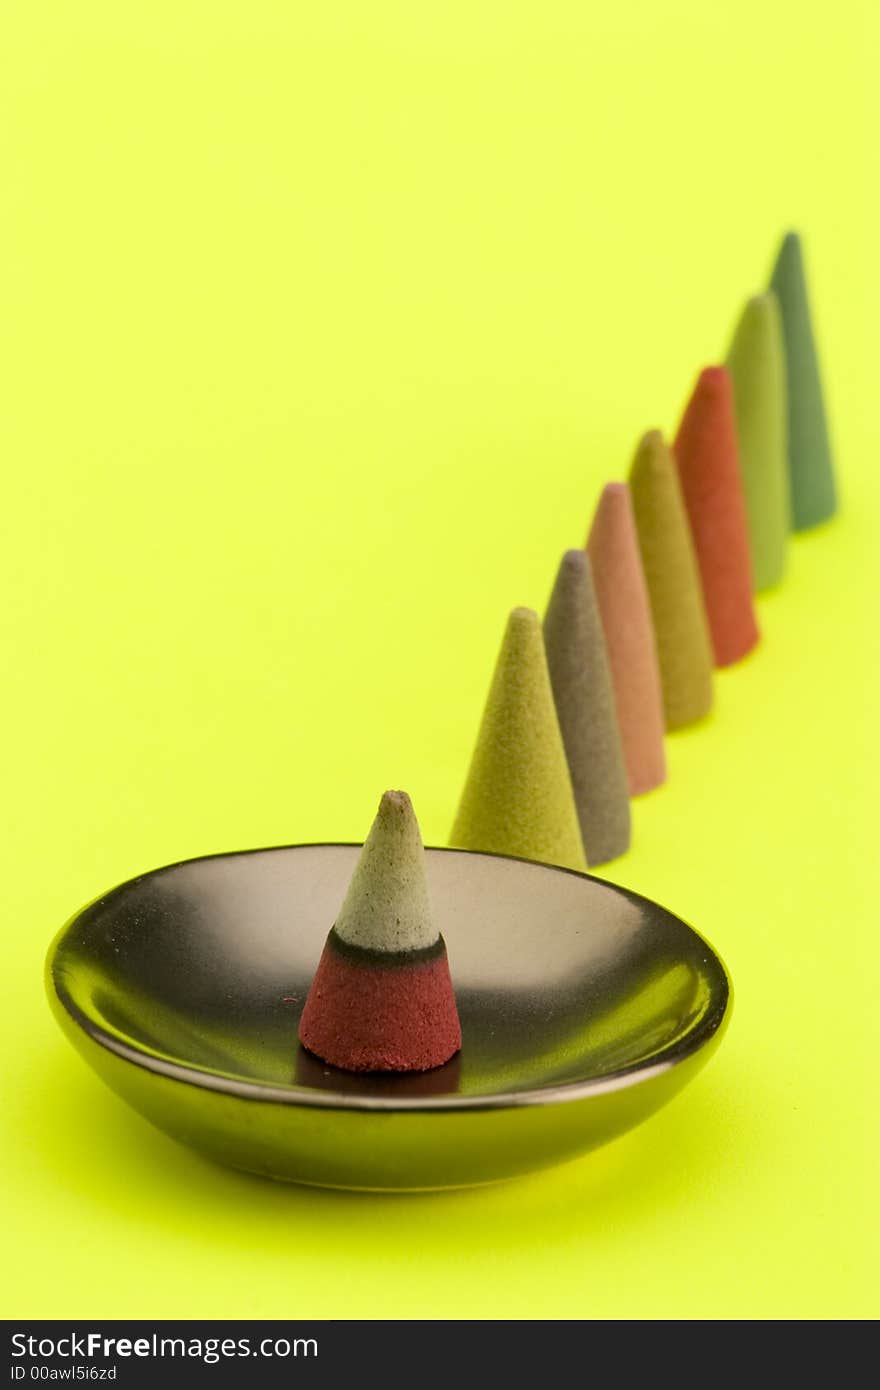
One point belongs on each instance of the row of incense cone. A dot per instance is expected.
(579, 704)
(660, 595)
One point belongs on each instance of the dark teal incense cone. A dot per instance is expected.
(811, 473)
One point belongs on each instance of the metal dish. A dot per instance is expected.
(584, 1008)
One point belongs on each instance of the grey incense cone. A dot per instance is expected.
(584, 696)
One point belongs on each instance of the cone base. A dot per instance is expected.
(645, 779)
(381, 1011)
(685, 716)
(733, 647)
(803, 520)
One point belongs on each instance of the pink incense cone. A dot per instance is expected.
(625, 610)
(708, 466)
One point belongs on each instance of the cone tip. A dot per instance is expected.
(650, 456)
(713, 377)
(574, 560)
(522, 618)
(386, 906)
(760, 303)
(614, 502)
(614, 490)
(652, 440)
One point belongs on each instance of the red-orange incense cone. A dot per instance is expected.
(382, 998)
(708, 467)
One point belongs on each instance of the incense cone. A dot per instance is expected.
(382, 998)
(708, 469)
(584, 696)
(625, 611)
(684, 649)
(811, 470)
(518, 796)
(757, 369)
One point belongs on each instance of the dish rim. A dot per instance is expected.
(709, 1027)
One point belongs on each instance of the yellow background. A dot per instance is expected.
(320, 328)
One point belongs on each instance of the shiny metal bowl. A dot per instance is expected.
(584, 1008)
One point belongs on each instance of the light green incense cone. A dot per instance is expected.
(757, 368)
(386, 907)
(581, 682)
(811, 472)
(518, 797)
(684, 647)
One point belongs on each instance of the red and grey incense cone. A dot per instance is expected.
(382, 998)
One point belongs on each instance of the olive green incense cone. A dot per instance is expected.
(518, 797)
(581, 682)
(756, 364)
(811, 471)
(684, 647)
